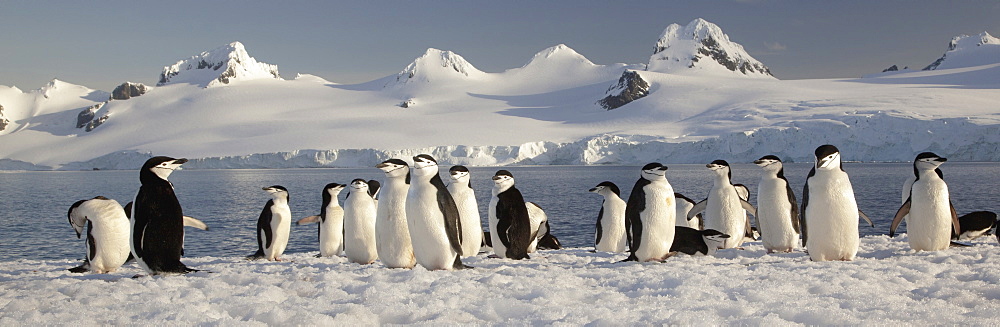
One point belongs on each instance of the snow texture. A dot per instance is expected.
(546, 112)
(887, 285)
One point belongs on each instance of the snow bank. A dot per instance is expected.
(888, 284)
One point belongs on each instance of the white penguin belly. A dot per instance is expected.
(658, 220)
(775, 216)
(331, 232)
(683, 207)
(498, 248)
(468, 211)
(431, 245)
(929, 223)
(281, 220)
(832, 219)
(392, 234)
(613, 238)
(111, 236)
(725, 213)
(359, 229)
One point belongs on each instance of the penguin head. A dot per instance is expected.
(654, 171)
(424, 165)
(359, 185)
(460, 174)
(605, 187)
(928, 161)
(721, 168)
(502, 181)
(373, 187)
(330, 192)
(160, 167)
(827, 157)
(714, 238)
(769, 162)
(76, 218)
(276, 191)
(394, 168)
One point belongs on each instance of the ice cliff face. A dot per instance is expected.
(437, 66)
(968, 51)
(703, 47)
(221, 66)
(630, 87)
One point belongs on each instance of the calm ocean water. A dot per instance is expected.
(33, 205)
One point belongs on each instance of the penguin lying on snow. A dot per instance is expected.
(694, 242)
(976, 224)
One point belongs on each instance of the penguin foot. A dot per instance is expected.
(493, 256)
(959, 244)
(80, 269)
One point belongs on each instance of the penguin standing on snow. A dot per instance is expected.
(157, 220)
(510, 224)
(433, 218)
(468, 210)
(931, 214)
(107, 233)
(650, 215)
(359, 224)
(725, 210)
(778, 211)
(610, 236)
(829, 210)
(392, 235)
(331, 221)
(273, 225)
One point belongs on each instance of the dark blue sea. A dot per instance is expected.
(33, 205)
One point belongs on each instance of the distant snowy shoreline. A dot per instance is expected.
(887, 284)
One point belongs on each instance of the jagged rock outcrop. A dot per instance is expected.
(3, 120)
(221, 66)
(968, 51)
(703, 46)
(128, 90)
(85, 119)
(892, 68)
(630, 87)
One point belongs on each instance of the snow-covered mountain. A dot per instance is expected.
(552, 110)
(969, 51)
(224, 65)
(702, 48)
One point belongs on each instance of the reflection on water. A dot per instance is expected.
(33, 205)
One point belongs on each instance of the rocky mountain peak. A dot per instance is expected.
(702, 46)
(220, 66)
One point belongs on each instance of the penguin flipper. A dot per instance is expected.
(194, 222)
(865, 217)
(954, 217)
(748, 207)
(749, 231)
(805, 204)
(902, 212)
(308, 220)
(795, 209)
(697, 208)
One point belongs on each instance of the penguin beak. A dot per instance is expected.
(941, 159)
(180, 161)
(593, 190)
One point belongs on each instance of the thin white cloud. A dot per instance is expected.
(775, 46)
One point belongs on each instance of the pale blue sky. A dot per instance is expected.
(102, 43)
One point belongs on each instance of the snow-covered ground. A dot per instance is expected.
(887, 285)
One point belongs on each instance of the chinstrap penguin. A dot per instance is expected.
(331, 221)
(273, 225)
(691, 241)
(975, 224)
(684, 205)
(433, 218)
(392, 235)
(724, 209)
(541, 232)
(777, 209)
(157, 220)
(510, 223)
(359, 224)
(829, 210)
(610, 229)
(107, 233)
(650, 215)
(468, 209)
(932, 217)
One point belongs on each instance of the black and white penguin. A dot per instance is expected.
(541, 233)
(684, 205)
(691, 241)
(650, 215)
(273, 225)
(331, 221)
(725, 210)
(359, 224)
(510, 224)
(777, 209)
(932, 217)
(392, 235)
(157, 220)
(829, 210)
(107, 233)
(751, 233)
(468, 209)
(433, 218)
(976, 224)
(610, 232)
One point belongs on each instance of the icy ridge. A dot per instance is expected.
(703, 46)
(220, 66)
(968, 51)
(427, 67)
